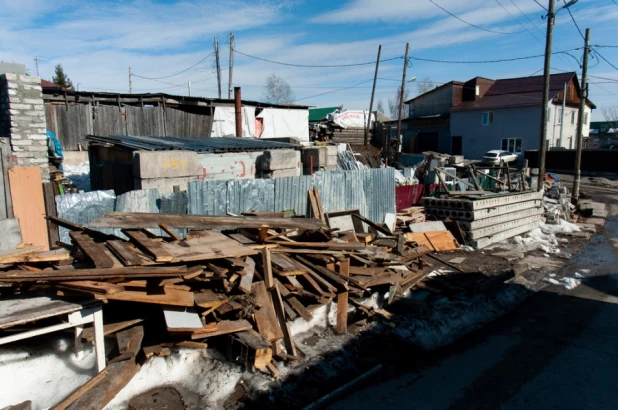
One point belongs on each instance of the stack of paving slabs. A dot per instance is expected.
(489, 217)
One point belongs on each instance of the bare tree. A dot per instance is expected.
(425, 85)
(393, 104)
(611, 115)
(277, 90)
(380, 106)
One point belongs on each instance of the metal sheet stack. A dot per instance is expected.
(490, 218)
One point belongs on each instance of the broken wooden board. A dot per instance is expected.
(262, 352)
(342, 313)
(104, 288)
(247, 279)
(150, 246)
(208, 299)
(137, 220)
(286, 266)
(280, 312)
(29, 205)
(125, 253)
(6, 256)
(31, 256)
(208, 245)
(93, 251)
(167, 297)
(108, 329)
(437, 241)
(265, 316)
(222, 328)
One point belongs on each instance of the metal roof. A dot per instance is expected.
(318, 114)
(205, 144)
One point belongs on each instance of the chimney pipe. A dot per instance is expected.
(238, 111)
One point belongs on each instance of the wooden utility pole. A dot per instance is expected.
(218, 66)
(546, 73)
(401, 97)
(373, 92)
(583, 94)
(229, 89)
(130, 81)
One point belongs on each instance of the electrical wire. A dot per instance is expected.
(540, 5)
(490, 61)
(576, 25)
(605, 59)
(470, 24)
(332, 91)
(313, 66)
(173, 75)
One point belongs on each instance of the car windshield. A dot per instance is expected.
(491, 155)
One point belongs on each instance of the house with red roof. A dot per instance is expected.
(473, 117)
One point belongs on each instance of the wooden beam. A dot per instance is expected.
(92, 250)
(123, 251)
(287, 335)
(267, 269)
(137, 220)
(342, 313)
(149, 246)
(92, 274)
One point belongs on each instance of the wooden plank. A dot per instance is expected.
(420, 239)
(29, 205)
(56, 255)
(137, 220)
(110, 328)
(346, 246)
(50, 210)
(168, 231)
(344, 267)
(92, 250)
(280, 312)
(125, 253)
(93, 274)
(206, 246)
(168, 297)
(247, 279)
(93, 286)
(192, 345)
(207, 299)
(267, 269)
(294, 282)
(442, 241)
(262, 353)
(265, 316)
(314, 205)
(149, 246)
(361, 270)
(300, 308)
(342, 313)
(285, 265)
(80, 391)
(318, 202)
(224, 327)
(330, 275)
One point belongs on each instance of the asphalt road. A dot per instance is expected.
(558, 350)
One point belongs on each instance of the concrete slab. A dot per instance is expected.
(484, 242)
(494, 229)
(279, 173)
(165, 164)
(482, 223)
(164, 185)
(473, 205)
(279, 159)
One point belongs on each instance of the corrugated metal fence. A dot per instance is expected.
(371, 191)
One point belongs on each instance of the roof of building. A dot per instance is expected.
(50, 85)
(434, 89)
(206, 144)
(515, 92)
(319, 114)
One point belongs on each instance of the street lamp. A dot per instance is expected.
(551, 14)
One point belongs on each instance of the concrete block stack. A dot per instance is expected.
(22, 120)
(279, 163)
(322, 158)
(490, 218)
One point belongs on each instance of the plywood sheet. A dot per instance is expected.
(442, 241)
(208, 245)
(28, 204)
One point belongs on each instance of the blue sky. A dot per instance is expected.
(96, 42)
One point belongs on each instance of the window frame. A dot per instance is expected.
(487, 118)
(559, 116)
(511, 145)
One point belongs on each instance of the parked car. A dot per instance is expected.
(497, 157)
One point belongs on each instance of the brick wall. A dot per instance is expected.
(22, 120)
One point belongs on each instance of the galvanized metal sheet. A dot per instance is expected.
(207, 197)
(251, 195)
(331, 186)
(83, 208)
(291, 194)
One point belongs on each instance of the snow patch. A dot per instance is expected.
(567, 283)
(79, 175)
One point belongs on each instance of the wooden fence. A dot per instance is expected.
(71, 123)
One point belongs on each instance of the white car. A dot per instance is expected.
(497, 157)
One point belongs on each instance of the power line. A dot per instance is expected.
(173, 75)
(333, 91)
(540, 5)
(605, 59)
(575, 22)
(602, 46)
(490, 61)
(313, 66)
(470, 24)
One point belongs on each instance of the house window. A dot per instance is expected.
(488, 118)
(548, 114)
(512, 145)
(586, 118)
(559, 119)
(572, 117)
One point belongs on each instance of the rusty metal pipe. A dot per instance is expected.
(238, 111)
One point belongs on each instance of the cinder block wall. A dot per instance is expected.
(22, 120)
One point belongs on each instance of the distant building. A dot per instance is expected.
(19, 69)
(481, 114)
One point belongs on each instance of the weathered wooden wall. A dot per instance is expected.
(71, 123)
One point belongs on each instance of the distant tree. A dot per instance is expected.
(380, 106)
(611, 116)
(393, 104)
(61, 78)
(277, 90)
(423, 86)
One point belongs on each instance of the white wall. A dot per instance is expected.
(569, 136)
